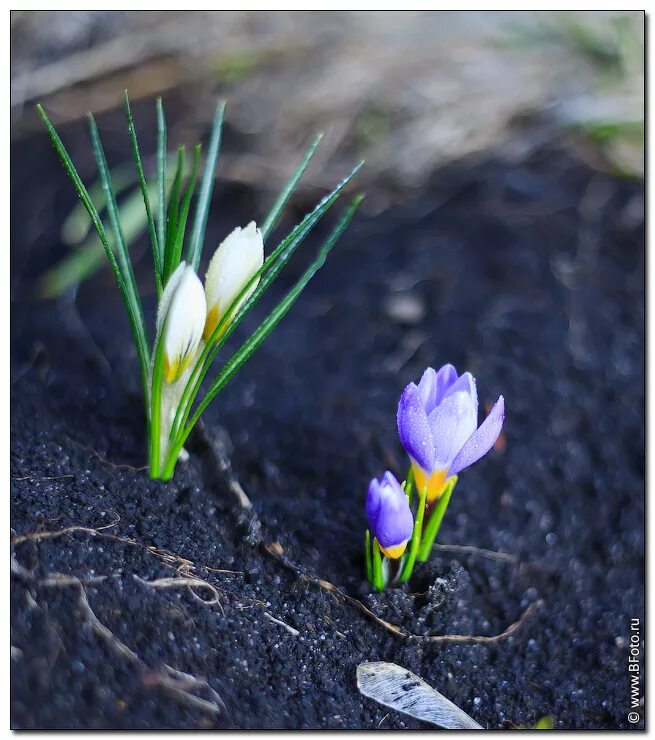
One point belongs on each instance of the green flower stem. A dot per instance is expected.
(434, 522)
(367, 556)
(378, 578)
(409, 485)
(408, 565)
(156, 405)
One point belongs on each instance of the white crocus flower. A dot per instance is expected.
(234, 263)
(184, 310)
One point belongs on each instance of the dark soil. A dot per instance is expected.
(531, 276)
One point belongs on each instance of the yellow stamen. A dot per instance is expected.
(395, 551)
(435, 482)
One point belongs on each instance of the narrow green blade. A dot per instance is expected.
(97, 222)
(122, 253)
(184, 211)
(367, 557)
(77, 225)
(144, 192)
(206, 187)
(161, 180)
(378, 576)
(83, 261)
(287, 191)
(171, 221)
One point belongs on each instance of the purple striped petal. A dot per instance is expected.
(413, 427)
(482, 439)
(446, 376)
(451, 424)
(389, 516)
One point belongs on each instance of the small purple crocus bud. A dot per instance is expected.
(438, 427)
(389, 515)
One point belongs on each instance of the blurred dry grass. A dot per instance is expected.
(408, 91)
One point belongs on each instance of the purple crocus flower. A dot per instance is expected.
(389, 515)
(438, 426)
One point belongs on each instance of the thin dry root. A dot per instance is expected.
(291, 630)
(177, 683)
(275, 550)
(179, 563)
(191, 582)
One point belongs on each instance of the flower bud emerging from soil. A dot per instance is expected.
(183, 309)
(389, 515)
(438, 427)
(234, 263)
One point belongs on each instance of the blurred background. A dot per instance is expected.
(407, 91)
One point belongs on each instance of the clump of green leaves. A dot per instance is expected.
(193, 323)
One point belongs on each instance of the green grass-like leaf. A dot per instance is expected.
(123, 258)
(171, 220)
(287, 191)
(194, 251)
(145, 194)
(367, 557)
(161, 181)
(180, 227)
(378, 576)
(136, 320)
(89, 256)
(243, 354)
(77, 225)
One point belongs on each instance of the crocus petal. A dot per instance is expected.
(181, 317)
(169, 292)
(389, 515)
(465, 383)
(428, 389)
(446, 376)
(482, 439)
(451, 424)
(373, 503)
(413, 427)
(234, 263)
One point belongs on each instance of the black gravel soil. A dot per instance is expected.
(531, 276)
